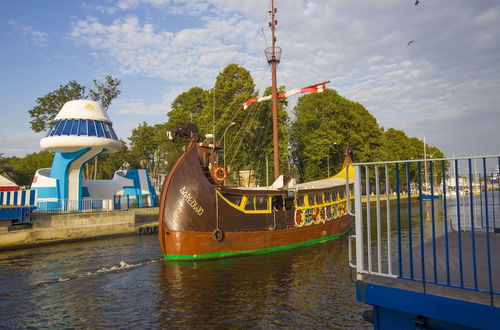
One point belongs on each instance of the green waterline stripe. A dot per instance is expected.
(256, 251)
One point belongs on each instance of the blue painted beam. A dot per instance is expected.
(16, 214)
(398, 309)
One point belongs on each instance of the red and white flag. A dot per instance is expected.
(316, 88)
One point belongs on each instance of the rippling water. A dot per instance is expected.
(123, 283)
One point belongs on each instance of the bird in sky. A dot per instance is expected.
(410, 42)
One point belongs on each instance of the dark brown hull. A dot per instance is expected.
(197, 221)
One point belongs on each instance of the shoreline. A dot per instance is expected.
(47, 229)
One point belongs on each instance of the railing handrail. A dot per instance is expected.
(423, 160)
(418, 246)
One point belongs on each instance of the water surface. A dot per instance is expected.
(123, 283)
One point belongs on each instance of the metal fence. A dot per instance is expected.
(433, 221)
(82, 206)
(18, 197)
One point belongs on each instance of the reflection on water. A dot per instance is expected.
(122, 282)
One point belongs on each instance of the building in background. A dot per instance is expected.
(81, 131)
(6, 184)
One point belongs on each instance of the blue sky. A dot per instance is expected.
(445, 85)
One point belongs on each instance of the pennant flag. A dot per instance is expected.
(316, 88)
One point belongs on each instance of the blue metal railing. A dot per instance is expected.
(118, 203)
(445, 224)
(18, 197)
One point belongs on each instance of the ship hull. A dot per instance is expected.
(201, 245)
(202, 220)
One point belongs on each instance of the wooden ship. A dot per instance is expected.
(200, 218)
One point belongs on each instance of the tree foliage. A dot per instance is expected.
(187, 107)
(49, 105)
(324, 123)
(249, 140)
(24, 168)
(149, 148)
(42, 115)
(108, 164)
(105, 91)
(310, 144)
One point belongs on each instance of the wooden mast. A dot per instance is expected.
(273, 55)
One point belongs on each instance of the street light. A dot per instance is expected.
(224, 141)
(328, 158)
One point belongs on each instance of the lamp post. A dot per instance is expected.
(224, 141)
(328, 158)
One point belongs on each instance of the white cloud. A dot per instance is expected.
(138, 107)
(188, 55)
(37, 38)
(449, 72)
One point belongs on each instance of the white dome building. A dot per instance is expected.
(81, 124)
(81, 131)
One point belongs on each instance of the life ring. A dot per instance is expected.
(219, 173)
(218, 235)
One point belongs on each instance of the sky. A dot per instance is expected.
(431, 70)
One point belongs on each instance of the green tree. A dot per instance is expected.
(148, 148)
(249, 139)
(233, 85)
(24, 168)
(108, 164)
(186, 107)
(324, 123)
(105, 91)
(42, 115)
(257, 143)
(49, 105)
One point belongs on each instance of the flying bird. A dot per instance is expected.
(410, 42)
(417, 2)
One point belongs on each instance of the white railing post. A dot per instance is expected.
(358, 210)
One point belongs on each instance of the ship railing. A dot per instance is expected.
(429, 220)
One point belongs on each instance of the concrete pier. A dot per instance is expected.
(55, 228)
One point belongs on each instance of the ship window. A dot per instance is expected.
(83, 128)
(91, 127)
(261, 202)
(98, 126)
(60, 127)
(67, 127)
(318, 198)
(233, 198)
(257, 203)
(106, 130)
(301, 200)
(74, 128)
(250, 203)
(328, 196)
